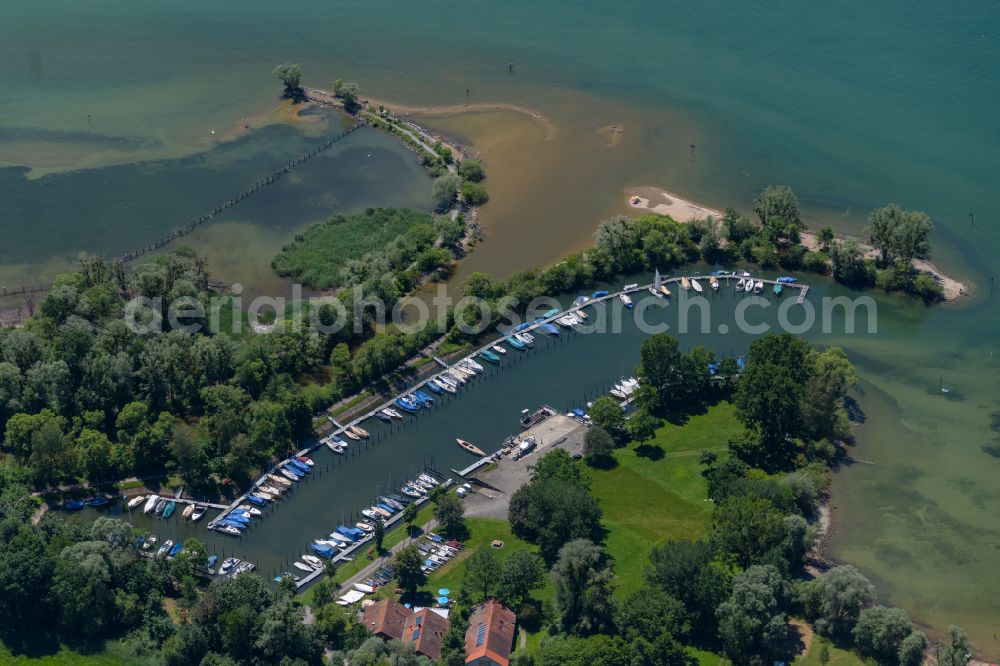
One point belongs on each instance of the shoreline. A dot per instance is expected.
(653, 199)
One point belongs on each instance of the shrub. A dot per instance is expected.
(474, 193)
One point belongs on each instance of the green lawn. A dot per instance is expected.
(838, 657)
(659, 494)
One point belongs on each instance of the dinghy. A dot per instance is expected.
(685, 284)
(471, 448)
(498, 349)
(697, 285)
(188, 510)
(714, 283)
(758, 286)
(135, 501)
(359, 431)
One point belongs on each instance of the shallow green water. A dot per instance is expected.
(854, 104)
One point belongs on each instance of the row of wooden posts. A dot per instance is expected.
(194, 224)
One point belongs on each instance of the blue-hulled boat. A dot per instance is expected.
(233, 523)
(406, 405)
(521, 327)
(576, 411)
(713, 368)
(176, 548)
(302, 467)
(777, 289)
(294, 472)
(347, 532)
(74, 505)
(322, 550)
(551, 313)
(487, 355)
(256, 500)
(514, 342)
(383, 417)
(423, 397)
(741, 363)
(433, 386)
(386, 507)
(212, 559)
(238, 518)
(97, 501)
(787, 280)
(548, 328)
(599, 294)
(169, 509)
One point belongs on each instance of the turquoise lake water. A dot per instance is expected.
(853, 104)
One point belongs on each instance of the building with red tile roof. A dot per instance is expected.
(426, 629)
(490, 635)
(387, 619)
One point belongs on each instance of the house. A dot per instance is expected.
(490, 635)
(387, 619)
(426, 629)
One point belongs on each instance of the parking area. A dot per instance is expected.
(499, 480)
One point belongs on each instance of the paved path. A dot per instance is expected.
(367, 572)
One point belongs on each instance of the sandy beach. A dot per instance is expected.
(656, 200)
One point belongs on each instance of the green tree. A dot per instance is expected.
(911, 650)
(752, 621)
(825, 237)
(557, 465)
(642, 426)
(445, 189)
(522, 572)
(449, 513)
(849, 263)
(598, 444)
(471, 170)
(607, 414)
(880, 632)
(290, 76)
(410, 517)
(583, 588)
(551, 513)
(749, 529)
(836, 598)
(379, 533)
(661, 366)
(900, 236)
(777, 208)
(831, 376)
(956, 651)
(474, 193)
(482, 574)
(348, 94)
(620, 238)
(406, 563)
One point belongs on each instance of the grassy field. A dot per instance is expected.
(316, 255)
(838, 657)
(656, 492)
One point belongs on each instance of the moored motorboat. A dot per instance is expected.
(135, 501)
(472, 364)
(160, 506)
(486, 354)
(758, 286)
(776, 290)
(302, 566)
(288, 475)
(74, 505)
(188, 510)
(515, 342)
(697, 285)
(307, 461)
(405, 405)
(199, 512)
(685, 284)
(370, 514)
(498, 349)
(741, 284)
(252, 510)
(227, 529)
(313, 561)
(165, 548)
(150, 503)
(351, 435)
(434, 387)
(280, 480)
(365, 526)
(470, 447)
(714, 283)
(625, 299)
(359, 431)
(748, 287)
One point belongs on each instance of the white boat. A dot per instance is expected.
(328, 543)
(617, 392)
(446, 386)
(251, 509)
(280, 480)
(359, 431)
(188, 510)
(227, 529)
(151, 503)
(338, 538)
(369, 513)
(165, 547)
(364, 526)
(351, 435)
(199, 511)
(382, 512)
(313, 561)
(392, 413)
(498, 349)
(302, 566)
(457, 377)
(428, 479)
(336, 448)
(149, 543)
(685, 284)
(135, 501)
(714, 283)
(466, 370)
(626, 300)
(697, 285)
(528, 337)
(361, 587)
(227, 565)
(748, 287)
(473, 364)
(524, 340)
(758, 286)
(740, 284)
(566, 321)
(288, 475)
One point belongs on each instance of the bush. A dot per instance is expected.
(471, 170)
(474, 193)
(927, 288)
(816, 262)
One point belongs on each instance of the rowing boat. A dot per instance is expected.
(714, 283)
(470, 447)
(685, 283)
(697, 285)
